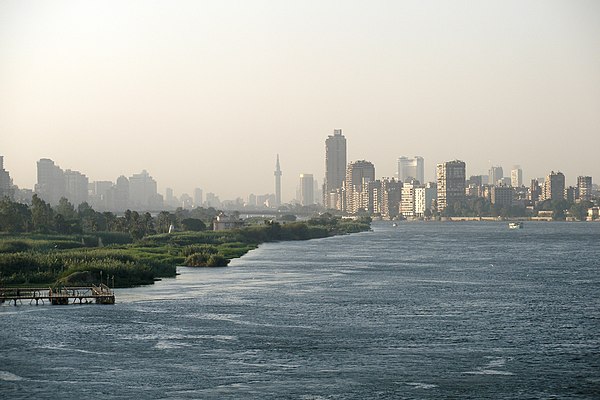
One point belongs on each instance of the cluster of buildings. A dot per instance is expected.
(137, 192)
(351, 187)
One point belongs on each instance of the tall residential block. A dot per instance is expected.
(411, 168)
(584, 188)
(516, 177)
(450, 183)
(143, 193)
(5, 181)
(358, 175)
(407, 202)
(76, 187)
(50, 185)
(335, 168)
(424, 197)
(554, 187)
(495, 174)
(307, 189)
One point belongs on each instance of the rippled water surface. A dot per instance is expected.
(423, 310)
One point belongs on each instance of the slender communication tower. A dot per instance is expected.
(277, 183)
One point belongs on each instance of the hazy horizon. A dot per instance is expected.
(206, 94)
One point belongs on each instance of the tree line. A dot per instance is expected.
(64, 218)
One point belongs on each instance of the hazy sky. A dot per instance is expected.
(206, 93)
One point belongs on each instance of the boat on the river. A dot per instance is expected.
(515, 225)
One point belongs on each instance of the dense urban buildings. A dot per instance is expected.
(335, 168)
(450, 184)
(356, 192)
(411, 168)
(358, 175)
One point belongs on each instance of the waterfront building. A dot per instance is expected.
(425, 195)
(307, 190)
(554, 187)
(6, 189)
(407, 201)
(535, 191)
(358, 175)
(375, 197)
(501, 196)
(450, 183)
(411, 168)
(50, 185)
(335, 167)
(277, 183)
(593, 213)
(495, 174)
(516, 177)
(584, 188)
(76, 187)
(391, 192)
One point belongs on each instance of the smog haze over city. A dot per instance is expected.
(207, 93)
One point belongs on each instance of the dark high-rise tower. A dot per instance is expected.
(335, 165)
(450, 183)
(277, 182)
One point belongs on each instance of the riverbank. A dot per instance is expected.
(51, 260)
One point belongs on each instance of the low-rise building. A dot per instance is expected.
(224, 222)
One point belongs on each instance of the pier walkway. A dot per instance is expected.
(100, 294)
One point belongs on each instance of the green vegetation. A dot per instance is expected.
(48, 246)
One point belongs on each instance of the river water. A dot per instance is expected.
(418, 311)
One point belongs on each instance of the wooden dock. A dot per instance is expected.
(100, 294)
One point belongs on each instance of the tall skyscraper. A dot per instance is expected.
(76, 187)
(307, 187)
(584, 188)
(50, 181)
(554, 187)
(495, 174)
(5, 182)
(335, 167)
(450, 183)
(411, 168)
(142, 191)
(122, 194)
(516, 176)
(277, 183)
(358, 175)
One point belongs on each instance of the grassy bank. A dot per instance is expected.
(43, 260)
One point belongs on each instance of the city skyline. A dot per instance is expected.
(186, 91)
